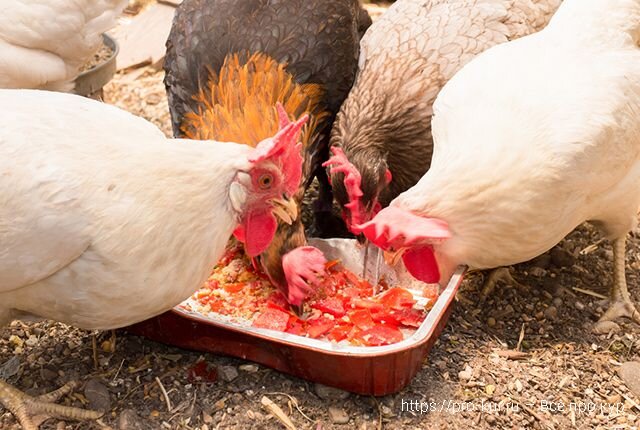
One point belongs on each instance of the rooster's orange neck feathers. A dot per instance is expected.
(238, 104)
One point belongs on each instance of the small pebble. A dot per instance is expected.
(551, 313)
(606, 327)
(338, 415)
(97, 395)
(129, 420)
(330, 393)
(629, 372)
(250, 368)
(557, 302)
(491, 322)
(562, 258)
(579, 305)
(227, 373)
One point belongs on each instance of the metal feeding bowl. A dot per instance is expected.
(375, 370)
(92, 80)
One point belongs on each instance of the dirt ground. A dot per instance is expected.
(564, 377)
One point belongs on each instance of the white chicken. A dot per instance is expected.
(104, 222)
(531, 138)
(43, 43)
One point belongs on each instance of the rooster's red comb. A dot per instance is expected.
(284, 149)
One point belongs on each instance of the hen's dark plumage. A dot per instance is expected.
(317, 39)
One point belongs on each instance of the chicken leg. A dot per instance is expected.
(620, 302)
(32, 411)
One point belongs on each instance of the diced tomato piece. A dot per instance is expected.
(332, 265)
(396, 298)
(340, 332)
(212, 284)
(330, 305)
(387, 316)
(367, 304)
(273, 319)
(410, 317)
(235, 287)
(277, 301)
(381, 334)
(319, 326)
(361, 318)
(295, 326)
(351, 292)
(351, 278)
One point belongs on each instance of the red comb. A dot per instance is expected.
(302, 266)
(285, 148)
(352, 182)
(396, 228)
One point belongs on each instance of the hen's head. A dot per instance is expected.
(402, 233)
(357, 185)
(264, 191)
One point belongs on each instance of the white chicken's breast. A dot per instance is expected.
(103, 221)
(43, 43)
(538, 135)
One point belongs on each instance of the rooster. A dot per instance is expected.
(381, 139)
(531, 139)
(228, 62)
(43, 43)
(112, 223)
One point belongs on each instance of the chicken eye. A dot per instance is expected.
(265, 181)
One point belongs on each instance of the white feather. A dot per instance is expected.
(43, 43)
(103, 221)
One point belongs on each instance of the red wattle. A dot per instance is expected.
(422, 264)
(259, 229)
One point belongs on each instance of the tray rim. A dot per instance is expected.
(419, 337)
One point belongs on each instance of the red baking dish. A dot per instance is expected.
(377, 370)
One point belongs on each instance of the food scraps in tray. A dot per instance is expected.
(345, 309)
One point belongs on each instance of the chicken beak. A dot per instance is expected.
(392, 257)
(285, 209)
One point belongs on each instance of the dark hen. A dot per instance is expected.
(228, 62)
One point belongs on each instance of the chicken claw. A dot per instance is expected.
(621, 305)
(303, 268)
(32, 411)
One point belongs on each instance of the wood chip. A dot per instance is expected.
(275, 410)
(511, 354)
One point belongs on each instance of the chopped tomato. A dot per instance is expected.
(351, 292)
(340, 332)
(234, 288)
(380, 334)
(330, 305)
(332, 265)
(361, 318)
(410, 317)
(295, 326)
(277, 301)
(367, 304)
(319, 326)
(396, 298)
(273, 319)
